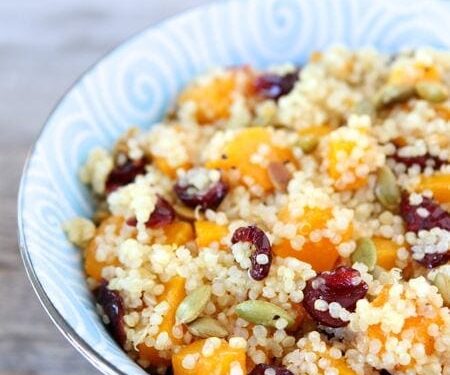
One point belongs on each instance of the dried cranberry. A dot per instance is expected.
(434, 260)
(342, 285)
(132, 222)
(273, 86)
(113, 308)
(422, 161)
(261, 244)
(209, 196)
(162, 215)
(124, 174)
(261, 370)
(437, 216)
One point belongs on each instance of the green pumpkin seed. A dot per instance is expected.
(308, 143)
(434, 92)
(390, 94)
(263, 313)
(207, 327)
(442, 282)
(364, 107)
(378, 272)
(386, 189)
(186, 213)
(191, 307)
(365, 253)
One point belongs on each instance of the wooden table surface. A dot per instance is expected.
(44, 46)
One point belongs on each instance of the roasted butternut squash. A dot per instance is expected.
(222, 360)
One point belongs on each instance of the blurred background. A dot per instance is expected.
(44, 46)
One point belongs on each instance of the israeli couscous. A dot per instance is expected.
(289, 221)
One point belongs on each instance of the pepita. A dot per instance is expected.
(434, 92)
(192, 306)
(308, 143)
(386, 189)
(207, 327)
(442, 282)
(365, 107)
(378, 272)
(186, 213)
(390, 94)
(263, 313)
(366, 253)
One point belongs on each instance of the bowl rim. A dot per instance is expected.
(89, 352)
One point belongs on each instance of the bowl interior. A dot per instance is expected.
(136, 82)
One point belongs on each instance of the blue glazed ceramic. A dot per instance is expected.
(134, 84)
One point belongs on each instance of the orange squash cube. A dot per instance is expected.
(322, 255)
(92, 266)
(214, 96)
(418, 324)
(174, 293)
(439, 184)
(386, 252)
(238, 153)
(150, 354)
(410, 74)
(318, 131)
(207, 232)
(179, 233)
(337, 148)
(220, 362)
(163, 165)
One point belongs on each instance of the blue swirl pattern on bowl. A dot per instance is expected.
(136, 82)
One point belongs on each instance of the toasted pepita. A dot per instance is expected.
(434, 92)
(365, 107)
(390, 94)
(308, 143)
(386, 189)
(366, 253)
(193, 304)
(263, 313)
(207, 327)
(442, 282)
(186, 213)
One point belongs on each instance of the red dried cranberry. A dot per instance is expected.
(434, 260)
(162, 215)
(437, 216)
(342, 285)
(261, 245)
(261, 370)
(273, 86)
(208, 197)
(132, 222)
(113, 308)
(422, 161)
(124, 174)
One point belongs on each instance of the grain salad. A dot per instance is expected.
(287, 221)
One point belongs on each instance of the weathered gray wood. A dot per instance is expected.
(44, 46)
